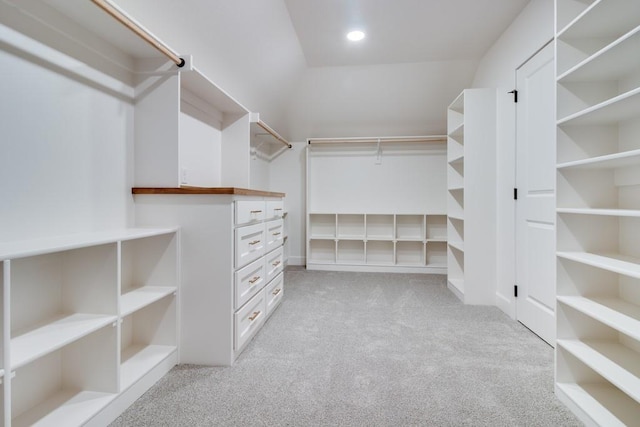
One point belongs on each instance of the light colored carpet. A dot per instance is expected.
(366, 349)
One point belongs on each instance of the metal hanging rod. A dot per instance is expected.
(273, 133)
(139, 31)
(430, 138)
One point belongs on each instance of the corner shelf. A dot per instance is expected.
(598, 209)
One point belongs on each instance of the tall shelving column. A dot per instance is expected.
(598, 209)
(471, 198)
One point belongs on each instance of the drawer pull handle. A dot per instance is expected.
(255, 314)
(277, 209)
(276, 234)
(276, 292)
(255, 242)
(275, 264)
(254, 280)
(255, 212)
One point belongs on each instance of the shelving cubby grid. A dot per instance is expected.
(598, 209)
(378, 240)
(64, 322)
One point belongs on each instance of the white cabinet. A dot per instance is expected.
(598, 210)
(377, 242)
(231, 256)
(471, 199)
(86, 317)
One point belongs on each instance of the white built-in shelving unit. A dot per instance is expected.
(86, 317)
(377, 240)
(377, 204)
(471, 199)
(598, 209)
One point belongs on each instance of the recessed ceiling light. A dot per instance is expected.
(355, 36)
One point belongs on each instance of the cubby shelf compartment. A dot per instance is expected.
(611, 360)
(406, 242)
(68, 296)
(322, 226)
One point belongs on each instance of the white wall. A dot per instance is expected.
(376, 100)
(531, 30)
(248, 48)
(66, 144)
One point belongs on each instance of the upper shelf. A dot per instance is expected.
(603, 18)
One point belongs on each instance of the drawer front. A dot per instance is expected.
(249, 319)
(248, 281)
(250, 244)
(274, 234)
(249, 211)
(274, 262)
(275, 209)
(273, 293)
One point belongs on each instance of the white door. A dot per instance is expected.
(535, 205)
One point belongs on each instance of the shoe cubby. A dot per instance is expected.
(380, 227)
(69, 385)
(350, 252)
(65, 322)
(322, 251)
(598, 205)
(437, 227)
(60, 297)
(149, 271)
(322, 226)
(148, 336)
(436, 253)
(410, 227)
(350, 226)
(410, 253)
(380, 252)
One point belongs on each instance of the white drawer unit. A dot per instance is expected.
(250, 211)
(275, 209)
(249, 319)
(274, 263)
(248, 281)
(226, 267)
(249, 244)
(274, 234)
(273, 293)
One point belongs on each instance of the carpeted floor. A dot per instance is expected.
(366, 349)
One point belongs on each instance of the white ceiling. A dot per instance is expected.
(399, 31)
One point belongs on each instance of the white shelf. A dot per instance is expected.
(457, 245)
(54, 335)
(25, 248)
(437, 239)
(603, 212)
(603, 404)
(613, 61)
(610, 161)
(456, 216)
(457, 161)
(614, 362)
(137, 360)
(65, 408)
(457, 284)
(603, 18)
(611, 262)
(139, 298)
(614, 110)
(616, 313)
(457, 132)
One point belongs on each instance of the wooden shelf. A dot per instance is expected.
(614, 312)
(205, 190)
(53, 335)
(139, 298)
(616, 363)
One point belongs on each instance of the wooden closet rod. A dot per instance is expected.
(432, 138)
(139, 31)
(273, 133)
